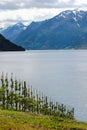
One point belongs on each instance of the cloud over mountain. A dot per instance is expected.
(22, 4)
(67, 30)
(26, 11)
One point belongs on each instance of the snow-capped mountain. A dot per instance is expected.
(13, 31)
(67, 30)
(74, 15)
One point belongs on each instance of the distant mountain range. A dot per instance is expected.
(67, 30)
(12, 32)
(6, 45)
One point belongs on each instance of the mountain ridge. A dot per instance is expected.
(67, 30)
(12, 31)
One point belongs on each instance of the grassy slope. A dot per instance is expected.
(11, 120)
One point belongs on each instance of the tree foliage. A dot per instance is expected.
(16, 95)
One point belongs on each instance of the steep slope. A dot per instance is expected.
(13, 120)
(68, 30)
(6, 45)
(12, 32)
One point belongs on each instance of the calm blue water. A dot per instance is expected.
(61, 75)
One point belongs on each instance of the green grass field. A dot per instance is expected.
(13, 120)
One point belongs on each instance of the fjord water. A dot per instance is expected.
(62, 75)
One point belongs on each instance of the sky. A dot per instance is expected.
(26, 11)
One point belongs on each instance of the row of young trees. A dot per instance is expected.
(16, 95)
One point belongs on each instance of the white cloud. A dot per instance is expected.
(16, 4)
(80, 3)
(12, 11)
(26, 15)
